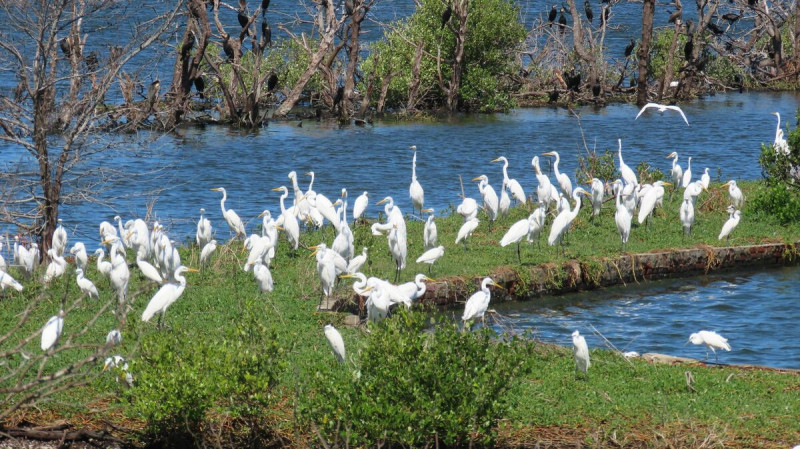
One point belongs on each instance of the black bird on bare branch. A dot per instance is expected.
(589, 13)
(551, 16)
(629, 48)
(562, 21)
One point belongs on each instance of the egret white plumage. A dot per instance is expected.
(622, 217)
(326, 269)
(52, 331)
(504, 203)
(431, 256)
(650, 200)
(148, 270)
(415, 189)
(258, 247)
(113, 337)
(687, 215)
(430, 234)
(598, 191)
(687, 175)
(408, 292)
(676, 172)
(59, 242)
(545, 192)
(357, 262)
(263, 277)
(269, 229)
(166, 295)
(231, 217)
(563, 180)
(56, 267)
(86, 286)
(693, 190)
(780, 144)
(539, 218)
(490, 201)
(79, 251)
(103, 266)
(335, 340)
(124, 231)
(627, 174)
(581, 352)
(705, 179)
(290, 225)
(711, 340)
(119, 364)
(479, 301)
(396, 234)
(729, 225)
(204, 231)
(468, 208)
(466, 230)
(663, 108)
(120, 274)
(6, 281)
(360, 206)
(564, 219)
(735, 193)
(208, 250)
(512, 184)
(517, 231)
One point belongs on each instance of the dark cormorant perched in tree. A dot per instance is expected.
(589, 13)
(573, 80)
(66, 48)
(731, 17)
(339, 95)
(562, 21)
(551, 16)
(266, 32)
(688, 49)
(596, 90)
(349, 7)
(446, 15)
(553, 96)
(227, 45)
(264, 6)
(714, 28)
(242, 17)
(152, 94)
(629, 48)
(675, 16)
(200, 85)
(272, 82)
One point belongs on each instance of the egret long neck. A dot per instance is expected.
(414, 168)
(222, 201)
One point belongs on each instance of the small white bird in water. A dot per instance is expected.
(711, 339)
(581, 352)
(662, 108)
(336, 342)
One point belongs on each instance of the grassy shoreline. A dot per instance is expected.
(635, 404)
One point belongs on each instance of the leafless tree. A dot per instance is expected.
(64, 75)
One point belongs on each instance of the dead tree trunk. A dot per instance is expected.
(461, 12)
(413, 88)
(667, 78)
(187, 65)
(359, 14)
(648, 8)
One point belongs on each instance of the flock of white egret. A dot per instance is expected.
(158, 259)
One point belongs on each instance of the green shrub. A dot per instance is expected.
(177, 382)
(602, 167)
(648, 174)
(780, 202)
(781, 198)
(416, 385)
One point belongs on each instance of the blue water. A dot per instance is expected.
(757, 311)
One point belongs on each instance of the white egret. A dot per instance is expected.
(687, 215)
(325, 208)
(729, 225)
(147, 269)
(23, 257)
(335, 340)
(258, 246)
(479, 301)
(7, 281)
(415, 189)
(3, 265)
(468, 208)
(627, 174)
(735, 193)
(650, 200)
(231, 217)
(563, 180)
(59, 242)
(545, 192)
(581, 352)
(124, 231)
(56, 267)
(269, 229)
(430, 234)
(290, 226)
(120, 274)
(711, 339)
(107, 231)
(263, 277)
(598, 191)
(564, 219)
(359, 206)
(208, 250)
(622, 217)
(431, 256)
(466, 230)
(113, 337)
(103, 266)
(562, 204)
(512, 184)
(329, 265)
(687, 175)
(345, 229)
(517, 231)
(357, 262)
(505, 202)
(693, 190)
(52, 330)
(166, 295)
(79, 251)
(118, 363)
(204, 231)
(341, 243)
(411, 291)
(378, 302)
(539, 217)
(396, 236)
(705, 179)
(662, 108)
(676, 172)
(490, 201)
(87, 287)
(780, 145)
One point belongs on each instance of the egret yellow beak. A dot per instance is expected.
(308, 173)
(277, 189)
(346, 276)
(381, 201)
(477, 178)
(496, 160)
(667, 183)
(280, 228)
(216, 189)
(498, 285)
(726, 184)
(192, 270)
(548, 154)
(427, 210)
(429, 279)
(262, 214)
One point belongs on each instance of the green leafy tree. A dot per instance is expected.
(781, 170)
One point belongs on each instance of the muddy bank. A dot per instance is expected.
(547, 279)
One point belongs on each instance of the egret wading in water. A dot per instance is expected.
(166, 295)
(335, 340)
(479, 301)
(415, 191)
(231, 217)
(711, 339)
(581, 352)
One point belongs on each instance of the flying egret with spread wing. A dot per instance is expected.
(663, 108)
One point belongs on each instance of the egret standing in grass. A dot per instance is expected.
(517, 231)
(598, 191)
(290, 225)
(705, 179)
(357, 262)
(627, 174)
(565, 218)
(7, 281)
(650, 199)
(687, 175)
(166, 295)
(430, 234)
(676, 172)
(735, 193)
(479, 301)
(466, 230)
(79, 251)
(622, 217)
(431, 256)
(52, 331)
(711, 339)
(415, 190)
(204, 231)
(207, 251)
(490, 201)
(687, 216)
(729, 225)
(86, 286)
(359, 206)
(335, 340)
(581, 352)
(231, 217)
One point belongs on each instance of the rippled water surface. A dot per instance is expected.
(757, 311)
